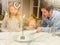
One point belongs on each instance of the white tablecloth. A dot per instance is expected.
(42, 38)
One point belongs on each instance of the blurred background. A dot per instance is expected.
(30, 7)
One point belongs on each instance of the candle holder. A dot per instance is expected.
(22, 37)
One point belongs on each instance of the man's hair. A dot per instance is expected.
(46, 5)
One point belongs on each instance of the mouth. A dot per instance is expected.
(44, 15)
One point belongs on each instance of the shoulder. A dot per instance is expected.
(56, 13)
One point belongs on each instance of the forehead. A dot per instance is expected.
(32, 20)
(43, 9)
(12, 7)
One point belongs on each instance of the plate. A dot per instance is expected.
(23, 38)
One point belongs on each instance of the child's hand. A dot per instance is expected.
(14, 31)
(39, 29)
(18, 30)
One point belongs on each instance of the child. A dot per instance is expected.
(31, 23)
(11, 22)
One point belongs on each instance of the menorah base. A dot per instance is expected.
(22, 37)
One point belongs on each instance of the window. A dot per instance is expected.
(36, 8)
(0, 7)
(55, 3)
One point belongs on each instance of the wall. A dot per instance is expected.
(26, 6)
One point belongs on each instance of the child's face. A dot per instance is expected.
(13, 11)
(32, 23)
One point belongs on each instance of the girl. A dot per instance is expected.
(31, 23)
(11, 21)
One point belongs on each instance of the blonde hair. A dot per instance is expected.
(17, 15)
(30, 18)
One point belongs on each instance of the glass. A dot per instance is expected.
(35, 2)
(0, 8)
(35, 11)
(40, 14)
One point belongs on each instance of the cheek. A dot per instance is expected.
(30, 24)
(15, 11)
(45, 14)
(12, 11)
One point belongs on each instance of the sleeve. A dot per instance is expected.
(56, 25)
(45, 29)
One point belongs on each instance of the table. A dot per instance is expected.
(42, 38)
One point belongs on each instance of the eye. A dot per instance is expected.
(44, 12)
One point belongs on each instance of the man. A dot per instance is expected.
(50, 18)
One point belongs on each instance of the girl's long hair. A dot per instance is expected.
(17, 14)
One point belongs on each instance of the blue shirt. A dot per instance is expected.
(53, 22)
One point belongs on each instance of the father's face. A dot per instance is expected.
(45, 13)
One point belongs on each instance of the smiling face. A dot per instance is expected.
(44, 12)
(32, 24)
